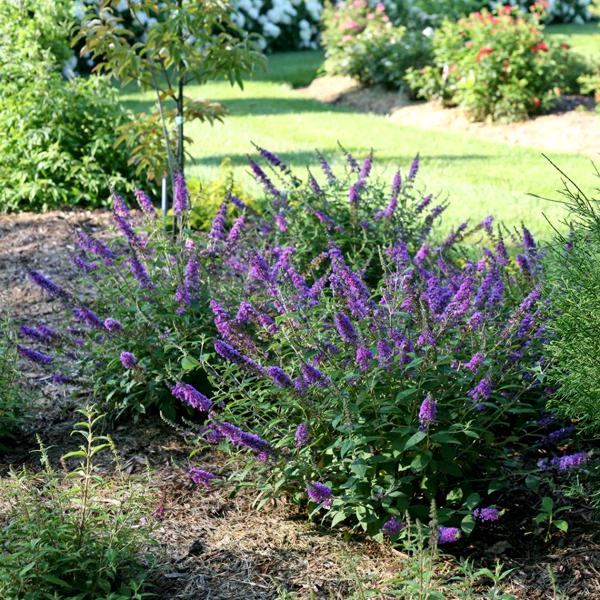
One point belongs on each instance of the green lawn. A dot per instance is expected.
(479, 177)
(583, 38)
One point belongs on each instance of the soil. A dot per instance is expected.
(574, 127)
(215, 544)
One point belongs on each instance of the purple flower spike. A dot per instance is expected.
(344, 327)
(319, 493)
(201, 477)
(119, 206)
(427, 411)
(475, 362)
(414, 168)
(363, 358)
(392, 527)
(448, 535)
(488, 224)
(33, 355)
(481, 391)
(236, 229)
(486, 514)
(48, 285)
(301, 436)
(279, 377)
(217, 230)
(313, 375)
(145, 203)
(570, 461)
(139, 272)
(181, 201)
(112, 325)
(128, 360)
(191, 396)
(421, 254)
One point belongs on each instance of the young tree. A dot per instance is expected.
(166, 46)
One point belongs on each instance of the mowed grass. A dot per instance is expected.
(478, 177)
(584, 39)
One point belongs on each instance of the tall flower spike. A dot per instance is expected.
(319, 493)
(191, 396)
(344, 327)
(414, 168)
(119, 206)
(427, 411)
(34, 356)
(145, 203)
(48, 285)
(181, 201)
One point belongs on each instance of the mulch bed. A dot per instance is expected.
(215, 544)
(574, 126)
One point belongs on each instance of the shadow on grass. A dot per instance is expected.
(253, 106)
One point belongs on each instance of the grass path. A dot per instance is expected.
(479, 177)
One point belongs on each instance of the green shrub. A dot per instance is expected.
(11, 393)
(57, 146)
(74, 534)
(497, 65)
(574, 281)
(360, 41)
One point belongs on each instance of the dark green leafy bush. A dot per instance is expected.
(497, 65)
(57, 146)
(361, 41)
(74, 534)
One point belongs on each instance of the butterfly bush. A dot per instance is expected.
(375, 398)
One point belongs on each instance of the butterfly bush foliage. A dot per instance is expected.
(136, 319)
(365, 402)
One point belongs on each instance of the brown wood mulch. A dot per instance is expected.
(211, 544)
(573, 127)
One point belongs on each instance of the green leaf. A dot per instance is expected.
(414, 439)
(547, 504)
(338, 518)
(472, 500)
(562, 525)
(189, 363)
(468, 524)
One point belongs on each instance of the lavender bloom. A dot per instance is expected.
(453, 236)
(421, 254)
(447, 535)
(112, 325)
(48, 332)
(182, 297)
(267, 322)
(481, 391)
(127, 230)
(145, 203)
(96, 247)
(570, 461)
(259, 269)
(384, 353)
(279, 377)
(33, 355)
(314, 185)
(523, 264)
(424, 203)
(48, 285)
(363, 357)
(182, 198)
(414, 168)
(201, 477)
(281, 222)
(244, 313)
(486, 514)
(344, 327)
(319, 493)
(83, 265)
(393, 527)
(475, 362)
(313, 375)
(231, 354)
(217, 230)
(487, 224)
(272, 158)
(325, 219)
(501, 253)
(528, 241)
(301, 435)
(237, 202)
(222, 320)
(192, 276)
(191, 396)
(89, 317)
(365, 169)
(243, 438)
(262, 177)
(236, 229)
(128, 360)
(476, 320)
(32, 333)
(326, 168)
(119, 206)
(530, 300)
(427, 411)
(559, 434)
(354, 193)
(139, 272)
(526, 324)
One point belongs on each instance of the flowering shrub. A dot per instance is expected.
(282, 24)
(363, 401)
(137, 321)
(361, 41)
(566, 11)
(496, 65)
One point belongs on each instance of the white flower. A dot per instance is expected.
(428, 32)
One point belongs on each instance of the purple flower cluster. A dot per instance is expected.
(201, 477)
(486, 514)
(392, 527)
(319, 493)
(191, 396)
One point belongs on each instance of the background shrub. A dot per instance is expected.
(57, 148)
(496, 65)
(74, 534)
(12, 396)
(361, 41)
(574, 281)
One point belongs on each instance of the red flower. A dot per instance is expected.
(536, 101)
(506, 9)
(485, 51)
(541, 47)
